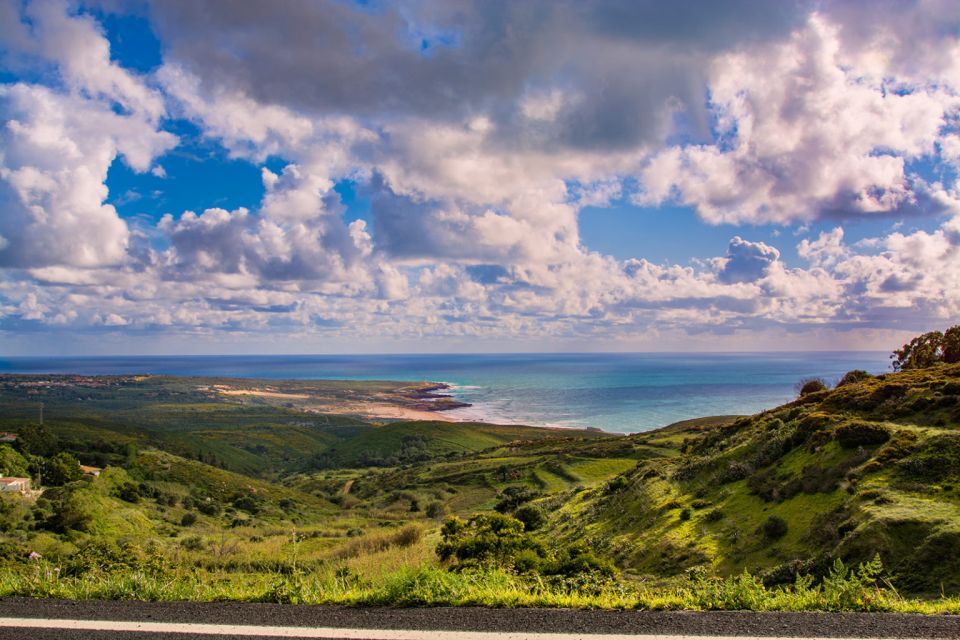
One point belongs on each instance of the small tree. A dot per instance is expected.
(61, 469)
(951, 345)
(485, 539)
(811, 385)
(925, 350)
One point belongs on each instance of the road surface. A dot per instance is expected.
(22, 618)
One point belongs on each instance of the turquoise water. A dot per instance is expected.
(615, 392)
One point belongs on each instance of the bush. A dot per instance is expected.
(811, 385)
(685, 515)
(485, 539)
(851, 377)
(207, 507)
(247, 503)
(514, 496)
(61, 469)
(715, 515)
(128, 492)
(192, 543)
(774, 528)
(436, 509)
(188, 519)
(531, 516)
(861, 434)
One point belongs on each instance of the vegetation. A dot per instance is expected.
(928, 349)
(845, 499)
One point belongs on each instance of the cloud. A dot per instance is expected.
(58, 144)
(747, 261)
(802, 132)
(478, 132)
(448, 60)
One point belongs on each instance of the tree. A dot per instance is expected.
(37, 440)
(951, 345)
(923, 351)
(61, 469)
(485, 539)
(11, 462)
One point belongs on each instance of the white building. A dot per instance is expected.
(14, 485)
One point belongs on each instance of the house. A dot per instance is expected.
(6, 436)
(90, 471)
(14, 485)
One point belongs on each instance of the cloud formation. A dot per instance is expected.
(479, 131)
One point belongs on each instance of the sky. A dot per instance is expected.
(477, 176)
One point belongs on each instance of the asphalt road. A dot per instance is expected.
(471, 619)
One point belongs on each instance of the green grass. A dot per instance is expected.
(689, 499)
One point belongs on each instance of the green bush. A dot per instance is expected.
(861, 434)
(531, 516)
(485, 539)
(774, 528)
(436, 510)
(851, 377)
(188, 519)
(61, 469)
(811, 385)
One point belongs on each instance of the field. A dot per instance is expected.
(207, 495)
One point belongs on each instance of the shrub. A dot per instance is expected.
(685, 515)
(733, 472)
(616, 485)
(714, 515)
(851, 377)
(208, 507)
(578, 560)
(485, 539)
(192, 543)
(247, 503)
(861, 434)
(61, 469)
(774, 528)
(128, 492)
(531, 516)
(436, 509)
(811, 385)
(188, 519)
(514, 496)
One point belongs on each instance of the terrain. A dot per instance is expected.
(207, 495)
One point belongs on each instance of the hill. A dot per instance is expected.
(872, 466)
(869, 467)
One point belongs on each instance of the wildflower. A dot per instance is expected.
(34, 556)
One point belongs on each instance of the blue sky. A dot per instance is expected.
(339, 177)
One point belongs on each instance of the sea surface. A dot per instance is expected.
(622, 392)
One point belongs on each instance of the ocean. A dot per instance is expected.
(619, 392)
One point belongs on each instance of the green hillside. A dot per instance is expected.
(869, 467)
(222, 498)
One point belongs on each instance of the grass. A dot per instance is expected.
(687, 500)
(432, 586)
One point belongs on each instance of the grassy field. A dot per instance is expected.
(206, 497)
